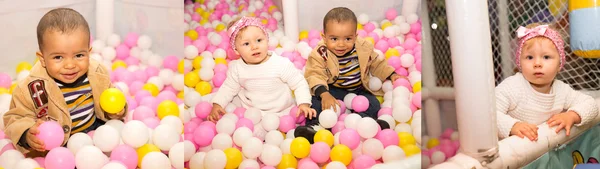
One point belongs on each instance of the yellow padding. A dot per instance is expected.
(580, 4)
(587, 53)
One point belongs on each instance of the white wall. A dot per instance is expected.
(160, 19)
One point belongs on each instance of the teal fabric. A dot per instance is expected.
(585, 149)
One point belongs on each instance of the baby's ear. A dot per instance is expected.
(41, 58)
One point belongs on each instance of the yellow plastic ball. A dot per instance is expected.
(4, 91)
(205, 14)
(405, 138)
(272, 8)
(241, 7)
(432, 143)
(151, 88)
(196, 62)
(181, 66)
(23, 66)
(409, 121)
(370, 39)
(411, 149)
(303, 35)
(324, 136)
(287, 161)
(12, 87)
(341, 153)
(192, 34)
(380, 99)
(391, 52)
(199, 10)
(112, 100)
(251, 15)
(385, 25)
(167, 108)
(220, 27)
(118, 64)
(264, 21)
(300, 147)
(359, 27)
(203, 21)
(190, 79)
(203, 88)
(145, 149)
(234, 158)
(180, 95)
(417, 87)
(220, 61)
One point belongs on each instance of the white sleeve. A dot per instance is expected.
(295, 80)
(503, 102)
(584, 105)
(230, 87)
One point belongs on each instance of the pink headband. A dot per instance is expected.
(525, 34)
(242, 23)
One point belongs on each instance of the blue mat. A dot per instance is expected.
(584, 150)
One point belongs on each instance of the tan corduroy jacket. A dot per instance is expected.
(24, 109)
(322, 66)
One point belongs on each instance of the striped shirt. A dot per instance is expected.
(349, 71)
(80, 103)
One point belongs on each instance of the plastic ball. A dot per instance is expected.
(106, 138)
(78, 140)
(203, 88)
(133, 133)
(286, 123)
(30, 163)
(215, 159)
(341, 153)
(405, 138)
(351, 120)
(271, 155)
(51, 133)
(113, 40)
(125, 155)
(241, 135)
(324, 136)
(300, 147)
(348, 100)
(90, 157)
(368, 127)
(392, 153)
(252, 148)
(206, 74)
(56, 159)
(350, 138)
(215, 39)
(360, 103)
(270, 122)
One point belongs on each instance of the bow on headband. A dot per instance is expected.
(539, 30)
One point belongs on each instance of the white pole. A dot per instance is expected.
(410, 7)
(105, 10)
(504, 33)
(432, 117)
(290, 19)
(472, 64)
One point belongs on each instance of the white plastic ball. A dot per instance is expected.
(155, 60)
(336, 165)
(425, 161)
(157, 81)
(400, 92)
(285, 145)
(231, 116)
(188, 150)
(397, 32)
(274, 137)
(251, 8)
(190, 52)
(252, 148)
(122, 86)
(412, 18)
(206, 54)
(401, 113)
(215, 40)
(22, 75)
(379, 32)
(278, 34)
(26, 163)
(279, 51)
(414, 77)
(133, 68)
(387, 118)
(97, 46)
(229, 108)
(336, 138)
(187, 17)
(173, 121)
(363, 18)
(407, 60)
(271, 155)
(375, 83)
(380, 54)
(328, 118)
(387, 86)
(113, 40)
(454, 136)
(109, 53)
(387, 104)
(10, 158)
(186, 115)
(387, 96)
(219, 53)
(249, 163)
(372, 147)
(178, 82)
(225, 126)
(392, 153)
(165, 136)
(166, 76)
(351, 120)
(258, 4)
(389, 32)
(270, 122)
(290, 134)
(78, 140)
(206, 74)
(96, 57)
(150, 134)
(207, 63)
(176, 156)
(241, 135)
(90, 157)
(226, 18)
(348, 100)
(399, 19)
(106, 138)
(273, 41)
(403, 127)
(197, 160)
(134, 133)
(222, 141)
(404, 28)
(215, 159)
(437, 157)
(144, 55)
(277, 15)
(368, 127)
(288, 46)
(192, 98)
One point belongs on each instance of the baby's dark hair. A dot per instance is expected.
(64, 20)
(339, 14)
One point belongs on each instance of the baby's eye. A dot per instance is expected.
(529, 57)
(57, 57)
(246, 44)
(259, 40)
(333, 39)
(80, 55)
(546, 57)
(348, 39)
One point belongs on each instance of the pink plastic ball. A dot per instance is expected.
(244, 122)
(60, 158)
(409, 43)
(415, 28)
(211, 48)
(220, 68)
(409, 35)
(360, 103)
(209, 124)
(170, 88)
(196, 17)
(418, 64)
(313, 43)
(306, 163)
(401, 71)
(41, 161)
(447, 133)
(395, 62)
(299, 119)
(166, 95)
(201, 46)
(363, 162)
(298, 65)
(231, 55)
(218, 79)
(203, 109)
(126, 77)
(131, 39)
(391, 14)
(224, 44)
(187, 41)
(132, 61)
(448, 150)
(382, 46)
(369, 27)
(141, 95)
(456, 144)
(286, 123)
(6, 148)
(413, 108)
(170, 62)
(342, 107)
(150, 102)
(387, 137)
(342, 117)
(384, 110)
(361, 33)
(126, 155)
(416, 99)
(393, 42)
(51, 133)
(203, 135)
(131, 103)
(5, 80)
(402, 82)
(189, 127)
(152, 71)
(151, 122)
(375, 37)
(314, 34)
(319, 152)
(350, 138)
(140, 75)
(339, 126)
(418, 36)
(239, 112)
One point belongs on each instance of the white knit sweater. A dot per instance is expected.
(517, 101)
(267, 86)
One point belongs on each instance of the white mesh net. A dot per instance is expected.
(505, 17)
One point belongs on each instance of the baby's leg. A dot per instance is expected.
(337, 93)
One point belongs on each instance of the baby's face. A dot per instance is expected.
(340, 36)
(540, 61)
(65, 55)
(252, 45)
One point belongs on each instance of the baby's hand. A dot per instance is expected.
(523, 129)
(395, 77)
(34, 142)
(116, 116)
(564, 120)
(308, 112)
(215, 113)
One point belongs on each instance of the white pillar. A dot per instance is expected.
(473, 71)
(105, 10)
(432, 107)
(290, 19)
(410, 7)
